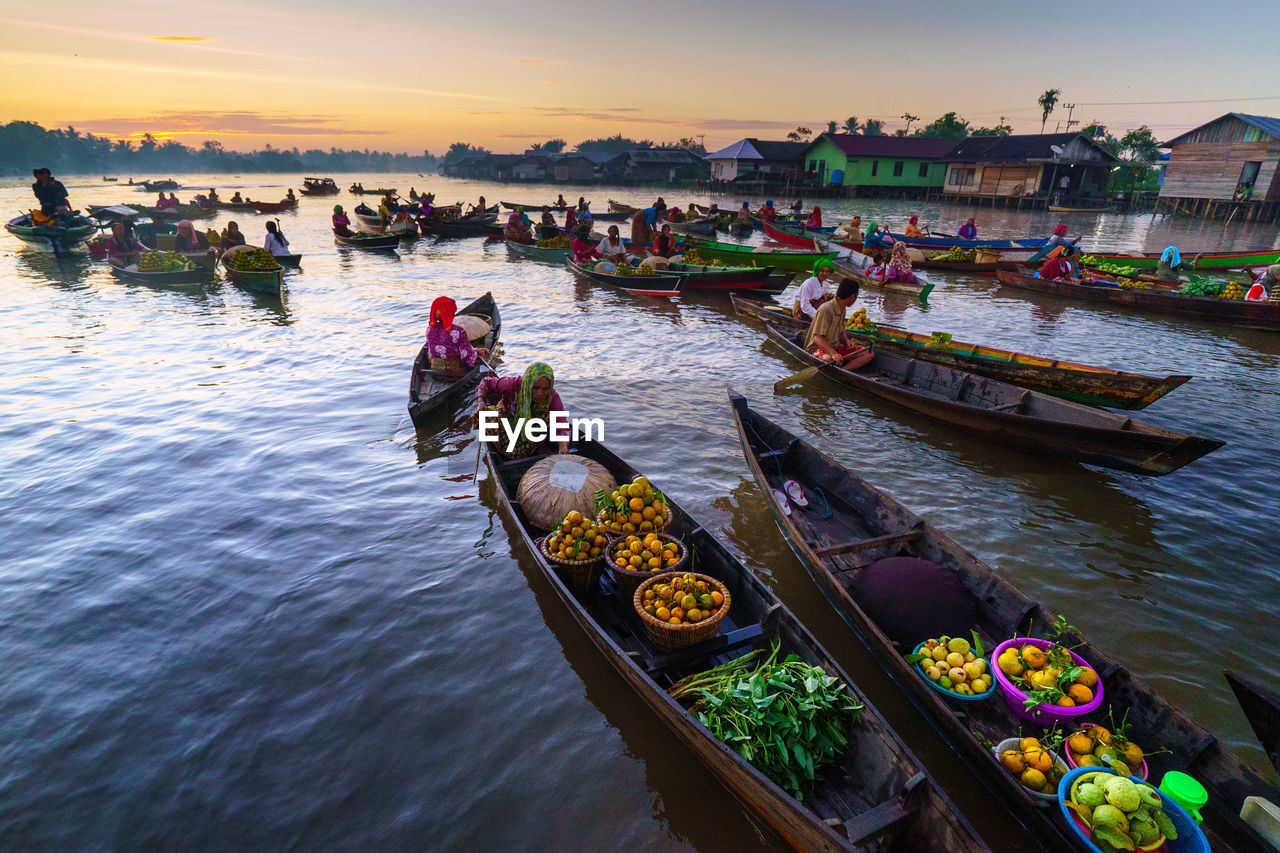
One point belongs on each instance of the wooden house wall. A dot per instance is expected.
(1212, 169)
(1226, 129)
(996, 179)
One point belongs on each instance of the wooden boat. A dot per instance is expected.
(109, 180)
(275, 206)
(741, 230)
(234, 206)
(289, 261)
(429, 391)
(610, 217)
(534, 208)
(52, 238)
(381, 191)
(619, 207)
(182, 211)
(1080, 383)
(702, 277)
(1009, 415)
(937, 241)
(647, 285)
(465, 227)
(319, 186)
(879, 797)
(369, 222)
(197, 276)
(1198, 261)
(268, 282)
(738, 255)
(156, 186)
(788, 236)
(1062, 208)
(705, 227)
(920, 288)
(369, 241)
(1262, 709)
(1248, 315)
(538, 253)
(867, 525)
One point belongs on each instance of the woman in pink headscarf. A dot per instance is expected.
(913, 228)
(188, 239)
(815, 218)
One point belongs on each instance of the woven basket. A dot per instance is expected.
(475, 325)
(600, 519)
(669, 638)
(581, 575)
(629, 579)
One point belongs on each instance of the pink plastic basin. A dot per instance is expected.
(1041, 715)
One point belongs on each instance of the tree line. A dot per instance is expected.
(25, 145)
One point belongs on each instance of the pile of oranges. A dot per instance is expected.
(650, 554)
(634, 507)
(577, 538)
(682, 599)
(1050, 675)
(1033, 765)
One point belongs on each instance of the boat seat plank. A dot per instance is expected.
(870, 824)
(658, 664)
(867, 544)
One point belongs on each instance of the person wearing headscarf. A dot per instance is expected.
(814, 290)
(815, 218)
(1169, 264)
(664, 245)
(548, 218)
(584, 212)
(341, 222)
(518, 230)
(520, 399)
(1059, 237)
(853, 231)
(744, 214)
(968, 231)
(583, 251)
(571, 220)
(123, 248)
(913, 227)
(1058, 268)
(188, 239)
(898, 267)
(1266, 286)
(447, 345)
(876, 238)
(768, 212)
(231, 237)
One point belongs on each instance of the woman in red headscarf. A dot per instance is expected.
(913, 228)
(1059, 237)
(815, 218)
(447, 344)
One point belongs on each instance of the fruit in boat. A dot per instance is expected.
(576, 538)
(647, 554)
(1033, 778)
(951, 663)
(1013, 761)
(668, 599)
(624, 509)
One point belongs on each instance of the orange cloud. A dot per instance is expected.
(184, 39)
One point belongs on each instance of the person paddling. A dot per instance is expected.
(827, 338)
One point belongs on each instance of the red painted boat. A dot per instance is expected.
(802, 239)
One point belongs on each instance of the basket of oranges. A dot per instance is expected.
(634, 559)
(634, 507)
(681, 610)
(577, 546)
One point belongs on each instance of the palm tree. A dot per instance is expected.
(832, 126)
(908, 118)
(1047, 102)
(851, 125)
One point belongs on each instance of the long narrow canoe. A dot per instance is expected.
(430, 392)
(920, 288)
(702, 277)
(799, 238)
(1262, 709)
(706, 228)
(530, 208)
(867, 525)
(739, 255)
(369, 241)
(1249, 315)
(939, 242)
(1009, 415)
(1080, 383)
(274, 206)
(269, 282)
(58, 238)
(197, 277)
(1197, 261)
(646, 285)
(878, 797)
(538, 253)
(619, 207)
(480, 227)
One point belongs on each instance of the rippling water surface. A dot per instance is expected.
(242, 604)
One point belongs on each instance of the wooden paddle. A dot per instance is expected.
(479, 443)
(796, 378)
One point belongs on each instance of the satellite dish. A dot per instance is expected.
(1055, 149)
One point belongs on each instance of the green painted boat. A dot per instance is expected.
(268, 282)
(58, 238)
(745, 256)
(1196, 261)
(538, 253)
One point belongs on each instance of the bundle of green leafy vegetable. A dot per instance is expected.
(1203, 287)
(789, 719)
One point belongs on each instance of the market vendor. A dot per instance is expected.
(664, 245)
(520, 399)
(51, 194)
(548, 218)
(583, 251)
(768, 212)
(827, 338)
(341, 222)
(814, 290)
(1060, 267)
(815, 218)
(123, 248)
(448, 347)
(275, 242)
(744, 214)
(518, 228)
(231, 237)
(1169, 264)
(876, 237)
(913, 227)
(611, 248)
(968, 231)
(188, 239)
(1265, 286)
(897, 269)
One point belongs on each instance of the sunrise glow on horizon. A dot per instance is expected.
(406, 77)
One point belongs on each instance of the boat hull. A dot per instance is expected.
(380, 241)
(50, 239)
(1248, 315)
(267, 282)
(183, 278)
(698, 277)
(1009, 415)
(1200, 261)
(738, 255)
(537, 253)
(648, 285)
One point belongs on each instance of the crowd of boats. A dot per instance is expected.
(878, 795)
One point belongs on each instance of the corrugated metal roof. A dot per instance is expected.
(675, 156)
(1266, 124)
(1014, 148)
(740, 150)
(858, 145)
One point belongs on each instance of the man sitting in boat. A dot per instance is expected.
(968, 231)
(341, 222)
(518, 228)
(583, 251)
(520, 399)
(1058, 268)
(664, 245)
(853, 231)
(827, 338)
(447, 345)
(768, 212)
(235, 199)
(289, 196)
(611, 248)
(51, 194)
(275, 242)
(814, 291)
(913, 227)
(548, 218)
(1169, 264)
(560, 202)
(123, 247)
(213, 196)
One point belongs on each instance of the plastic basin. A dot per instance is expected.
(1071, 762)
(1190, 839)
(951, 694)
(1041, 799)
(1041, 715)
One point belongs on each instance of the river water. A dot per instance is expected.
(242, 604)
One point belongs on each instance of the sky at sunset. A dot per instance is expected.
(404, 75)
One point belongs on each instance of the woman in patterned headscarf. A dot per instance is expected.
(520, 399)
(447, 345)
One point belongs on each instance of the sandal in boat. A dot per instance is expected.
(796, 493)
(781, 498)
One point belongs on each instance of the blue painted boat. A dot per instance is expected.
(937, 242)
